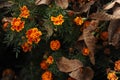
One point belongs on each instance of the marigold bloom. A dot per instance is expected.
(33, 35)
(85, 51)
(117, 65)
(44, 65)
(86, 24)
(24, 12)
(47, 75)
(104, 35)
(112, 76)
(26, 47)
(50, 60)
(17, 24)
(78, 20)
(55, 45)
(5, 25)
(57, 20)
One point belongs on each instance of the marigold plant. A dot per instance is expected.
(112, 76)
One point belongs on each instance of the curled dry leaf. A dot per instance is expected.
(6, 19)
(85, 74)
(39, 2)
(62, 3)
(6, 4)
(111, 5)
(113, 27)
(66, 65)
(104, 16)
(75, 69)
(86, 7)
(89, 39)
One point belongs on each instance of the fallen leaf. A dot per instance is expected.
(67, 65)
(86, 6)
(89, 39)
(104, 16)
(85, 74)
(111, 4)
(6, 4)
(62, 3)
(39, 2)
(6, 19)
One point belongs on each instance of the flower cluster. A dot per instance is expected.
(58, 20)
(112, 75)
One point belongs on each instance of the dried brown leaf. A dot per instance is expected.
(39, 2)
(89, 39)
(66, 65)
(6, 4)
(111, 4)
(85, 74)
(104, 16)
(86, 7)
(7, 19)
(113, 26)
(62, 3)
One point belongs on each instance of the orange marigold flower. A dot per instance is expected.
(78, 20)
(50, 60)
(44, 65)
(33, 35)
(117, 65)
(104, 35)
(24, 12)
(57, 20)
(85, 51)
(26, 47)
(55, 45)
(47, 75)
(5, 25)
(112, 76)
(17, 24)
(86, 24)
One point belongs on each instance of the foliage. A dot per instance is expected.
(58, 28)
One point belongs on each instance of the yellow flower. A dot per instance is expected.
(33, 35)
(55, 45)
(57, 20)
(26, 47)
(24, 12)
(50, 60)
(47, 75)
(85, 51)
(78, 20)
(17, 24)
(112, 76)
(117, 65)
